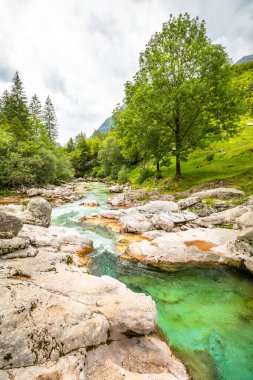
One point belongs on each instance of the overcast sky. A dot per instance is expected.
(81, 52)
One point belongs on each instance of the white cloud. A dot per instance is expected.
(82, 52)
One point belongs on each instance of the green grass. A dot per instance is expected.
(7, 193)
(232, 165)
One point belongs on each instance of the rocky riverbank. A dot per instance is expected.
(211, 227)
(56, 195)
(59, 322)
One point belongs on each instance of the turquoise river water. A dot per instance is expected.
(205, 314)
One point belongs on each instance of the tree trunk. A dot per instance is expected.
(178, 148)
(158, 167)
(178, 167)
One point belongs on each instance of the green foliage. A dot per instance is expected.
(79, 154)
(183, 95)
(98, 172)
(144, 174)
(27, 155)
(232, 166)
(110, 156)
(123, 175)
(49, 120)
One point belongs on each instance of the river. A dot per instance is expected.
(205, 314)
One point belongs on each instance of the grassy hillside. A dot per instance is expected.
(227, 163)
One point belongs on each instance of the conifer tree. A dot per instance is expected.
(35, 107)
(70, 145)
(18, 100)
(4, 101)
(16, 109)
(49, 120)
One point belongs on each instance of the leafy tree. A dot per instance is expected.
(80, 156)
(49, 120)
(183, 93)
(245, 80)
(110, 156)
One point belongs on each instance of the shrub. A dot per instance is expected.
(123, 175)
(145, 173)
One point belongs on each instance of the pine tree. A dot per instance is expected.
(35, 110)
(4, 102)
(70, 145)
(18, 101)
(35, 107)
(16, 109)
(49, 120)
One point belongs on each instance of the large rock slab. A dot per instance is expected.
(127, 359)
(48, 313)
(38, 326)
(138, 358)
(10, 226)
(192, 247)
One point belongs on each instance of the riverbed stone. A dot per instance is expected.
(223, 217)
(162, 221)
(9, 226)
(14, 244)
(245, 220)
(135, 223)
(155, 207)
(38, 212)
(116, 189)
(188, 202)
(243, 244)
(221, 193)
(191, 247)
(58, 238)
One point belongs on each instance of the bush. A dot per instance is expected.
(144, 174)
(123, 175)
(98, 172)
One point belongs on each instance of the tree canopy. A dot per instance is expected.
(28, 155)
(182, 95)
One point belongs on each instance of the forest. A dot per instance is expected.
(186, 96)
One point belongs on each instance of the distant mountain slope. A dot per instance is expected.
(105, 127)
(245, 59)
